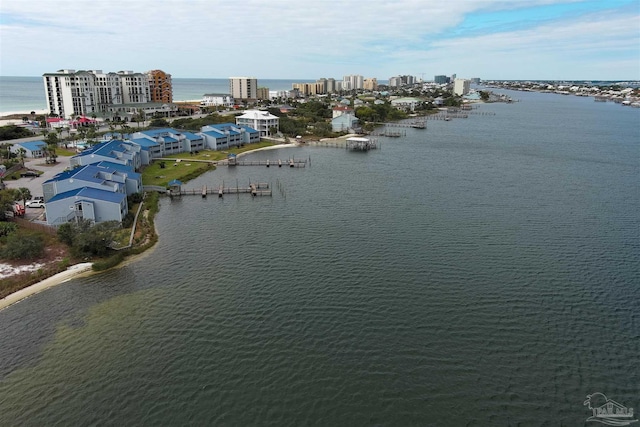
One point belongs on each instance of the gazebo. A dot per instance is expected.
(175, 187)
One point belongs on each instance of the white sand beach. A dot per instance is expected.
(72, 272)
(9, 117)
(271, 147)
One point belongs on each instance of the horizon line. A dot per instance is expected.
(481, 79)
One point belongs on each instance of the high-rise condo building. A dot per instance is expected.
(440, 79)
(371, 84)
(352, 82)
(461, 86)
(160, 86)
(243, 87)
(72, 93)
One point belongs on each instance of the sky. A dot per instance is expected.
(305, 39)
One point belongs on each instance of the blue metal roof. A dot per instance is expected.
(248, 129)
(103, 148)
(90, 193)
(156, 132)
(145, 143)
(119, 167)
(214, 133)
(88, 173)
(191, 136)
(33, 145)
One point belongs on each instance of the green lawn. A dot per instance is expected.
(186, 170)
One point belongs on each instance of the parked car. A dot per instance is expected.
(28, 174)
(35, 204)
(18, 209)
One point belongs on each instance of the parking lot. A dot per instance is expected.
(34, 184)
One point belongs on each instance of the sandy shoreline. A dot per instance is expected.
(70, 273)
(271, 147)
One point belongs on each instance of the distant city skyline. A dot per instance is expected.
(289, 39)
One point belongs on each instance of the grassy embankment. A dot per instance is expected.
(190, 165)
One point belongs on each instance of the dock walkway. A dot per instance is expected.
(254, 188)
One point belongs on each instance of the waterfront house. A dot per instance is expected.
(405, 104)
(345, 123)
(34, 149)
(262, 121)
(86, 203)
(339, 110)
(225, 135)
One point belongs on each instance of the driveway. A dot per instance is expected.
(35, 184)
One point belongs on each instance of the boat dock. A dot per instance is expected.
(361, 144)
(254, 188)
(292, 163)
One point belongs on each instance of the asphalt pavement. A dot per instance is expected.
(35, 184)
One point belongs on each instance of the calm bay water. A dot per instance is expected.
(25, 94)
(484, 271)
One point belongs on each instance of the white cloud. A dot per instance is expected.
(282, 38)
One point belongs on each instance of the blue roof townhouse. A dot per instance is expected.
(162, 142)
(86, 203)
(226, 135)
(105, 176)
(115, 151)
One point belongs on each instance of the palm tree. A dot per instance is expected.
(24, 194)
(52, 154)
(21, 155)
(124, 129)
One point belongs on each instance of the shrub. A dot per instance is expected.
(7, 228)
(23, 247)
(134, 198)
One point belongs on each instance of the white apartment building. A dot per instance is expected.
(461, 86)
(352, 82)
(243, 87)
(135, 87)
(71, 93)
(217, 99)
(262, 121)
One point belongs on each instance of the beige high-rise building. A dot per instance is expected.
(370, 84)
(243, 87)
(461, 86)
(305, 88)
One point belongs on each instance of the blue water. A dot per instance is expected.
(484, 271)
(26, 94)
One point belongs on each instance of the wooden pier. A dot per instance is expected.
(389, 133)
(254, 188)
(292, 163)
